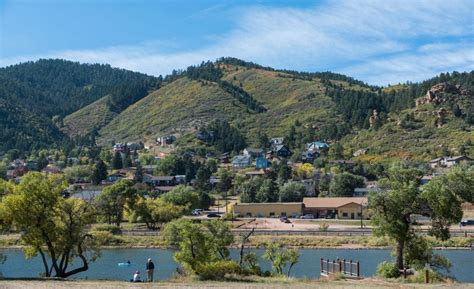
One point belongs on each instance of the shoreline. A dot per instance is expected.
(17, 247)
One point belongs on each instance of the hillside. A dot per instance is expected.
(181, 106)
(438, 125)
(47, 90)
(118, 105)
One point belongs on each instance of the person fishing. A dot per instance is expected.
(150, 268)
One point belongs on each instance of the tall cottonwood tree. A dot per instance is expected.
(50, 226)
(404, 197)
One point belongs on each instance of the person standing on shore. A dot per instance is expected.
(150, 268)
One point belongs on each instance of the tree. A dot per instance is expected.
(404, 197)
(199, 243)
(78, 173)
(292, 192)
(99, 173)
(183, 196)
(138, 176)
(51, 226)
(117, 161)
(112, 200)
(127, 160)
(154, 212)
(267, 193)
(284, 172)
(343, 185)
(249, 190)
(263, 140)
(225, 180)
(305, 171)
(203, 175)
(280, 257)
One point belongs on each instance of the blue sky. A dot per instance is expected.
(379, 42)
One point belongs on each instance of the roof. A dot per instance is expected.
(436, 160)
(163, 178)
(165, 188)
(332, 202)
(280, 147)
(269, 204)
(241, 159)
(451, 159)
(255, 173)
(254, 150)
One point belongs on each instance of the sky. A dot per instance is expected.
(380, 42)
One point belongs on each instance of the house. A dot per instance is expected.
(340, 208)
(309, 156)
(180, 179)
(268, 210)
(156, 181)
(434, 163)
(224, 158)
(317, 145)
(254, 174)
(452, 161)
(50, 169)
(240, 162)
(281, 151)
(262, 163)
(120, 147)
(253, 153)
(149, 169)
(276, 141)
(134, 146)
(165, 140)
(163, 189)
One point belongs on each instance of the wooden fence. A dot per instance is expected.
(349, 268)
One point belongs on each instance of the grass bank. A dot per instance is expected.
(273, 283)
(350, 242)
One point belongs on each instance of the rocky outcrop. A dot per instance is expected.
(437, 93)
(374, 118)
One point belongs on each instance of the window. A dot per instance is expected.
(344, 214)
(249, 214)
(359, 214)
(283, 214)
(272, 214)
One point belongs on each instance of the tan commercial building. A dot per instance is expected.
(269, 210)
(340, 208)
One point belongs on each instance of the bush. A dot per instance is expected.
(387, 270)
(114, 230)
(419, 277)
(323, 227)
(218, 270)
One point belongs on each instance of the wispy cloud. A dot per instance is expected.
(379, 42)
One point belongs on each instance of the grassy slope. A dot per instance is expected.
(83, 121)
(286, 99)
(180, 106)
(392, 142)
(184, 105)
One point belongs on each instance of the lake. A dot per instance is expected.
(308, 266)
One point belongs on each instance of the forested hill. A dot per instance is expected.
(37, 95)
(70, 101)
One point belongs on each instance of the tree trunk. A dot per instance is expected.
(45, 263)
(400, 248)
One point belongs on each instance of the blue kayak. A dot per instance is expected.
(125, 264)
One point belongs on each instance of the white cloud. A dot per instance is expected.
(378, 42)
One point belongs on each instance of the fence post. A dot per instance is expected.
(321, 270)
(350, 267)
(358, 269)
(344, 266)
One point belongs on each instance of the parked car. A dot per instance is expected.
(467, 223)
(213, 215)
(307, 216)
(284, 219)
(196, 212)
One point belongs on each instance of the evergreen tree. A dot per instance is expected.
(99, 173)
(138, 177)
(117, 161)
(127, 160)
